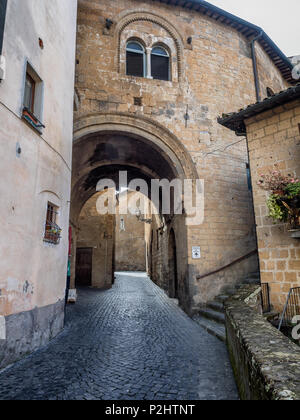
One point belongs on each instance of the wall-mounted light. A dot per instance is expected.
(189, 40)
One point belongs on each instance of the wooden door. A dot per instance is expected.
(84, 261)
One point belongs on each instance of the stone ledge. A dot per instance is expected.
(266, 364)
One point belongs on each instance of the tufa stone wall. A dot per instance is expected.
(130, 254)
(274, 138)
(209, 77)
(97, 232)
(266, 364)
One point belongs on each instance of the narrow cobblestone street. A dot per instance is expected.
(130, 342)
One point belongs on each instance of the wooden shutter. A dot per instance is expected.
(160, 67)
(135, 64)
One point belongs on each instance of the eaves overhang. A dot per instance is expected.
(246, 28)
(236, 121)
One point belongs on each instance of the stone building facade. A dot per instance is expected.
(36, 120)
(273, 133)
(168, 128)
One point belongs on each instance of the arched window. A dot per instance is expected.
(160, 64)
(135, 59)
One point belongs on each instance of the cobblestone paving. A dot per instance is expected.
(130, 342)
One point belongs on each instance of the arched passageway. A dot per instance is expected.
(102, 150)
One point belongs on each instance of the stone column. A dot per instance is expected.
(148, 55)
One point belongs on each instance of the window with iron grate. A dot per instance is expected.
(52, 230)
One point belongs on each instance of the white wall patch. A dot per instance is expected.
(2, 328)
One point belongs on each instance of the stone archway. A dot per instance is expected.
(105, 144)
(142, 127)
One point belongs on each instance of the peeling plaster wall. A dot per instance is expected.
(33, 273)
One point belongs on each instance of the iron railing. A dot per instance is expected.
(265, 298)
(291, 308)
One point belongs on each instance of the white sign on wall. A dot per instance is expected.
(196, 252)
(2, 328)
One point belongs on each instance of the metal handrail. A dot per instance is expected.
(244, 257)
(291, 307)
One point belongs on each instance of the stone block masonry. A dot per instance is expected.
(274, 138)
(266, 364)
(212, 75)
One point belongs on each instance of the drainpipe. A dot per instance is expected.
(256, 78)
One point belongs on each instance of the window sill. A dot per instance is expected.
(149, 79)
(32, 121)
(51, 241)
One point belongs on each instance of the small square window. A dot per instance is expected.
(52, 230)
(138, 102)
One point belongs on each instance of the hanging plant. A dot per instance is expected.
(276, 209)
(284, 202)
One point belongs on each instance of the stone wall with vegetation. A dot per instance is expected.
(274, 139)
(266, 364)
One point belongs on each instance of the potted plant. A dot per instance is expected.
(284, 201)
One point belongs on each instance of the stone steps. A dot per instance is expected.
(212, 317)
(212, 327)
(216, 306)
(221, 298)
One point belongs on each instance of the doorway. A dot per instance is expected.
(84, 262)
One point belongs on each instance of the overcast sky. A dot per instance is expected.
(279, 19)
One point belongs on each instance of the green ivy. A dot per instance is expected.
(276, 209)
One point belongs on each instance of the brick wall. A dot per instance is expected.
(274, 137)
